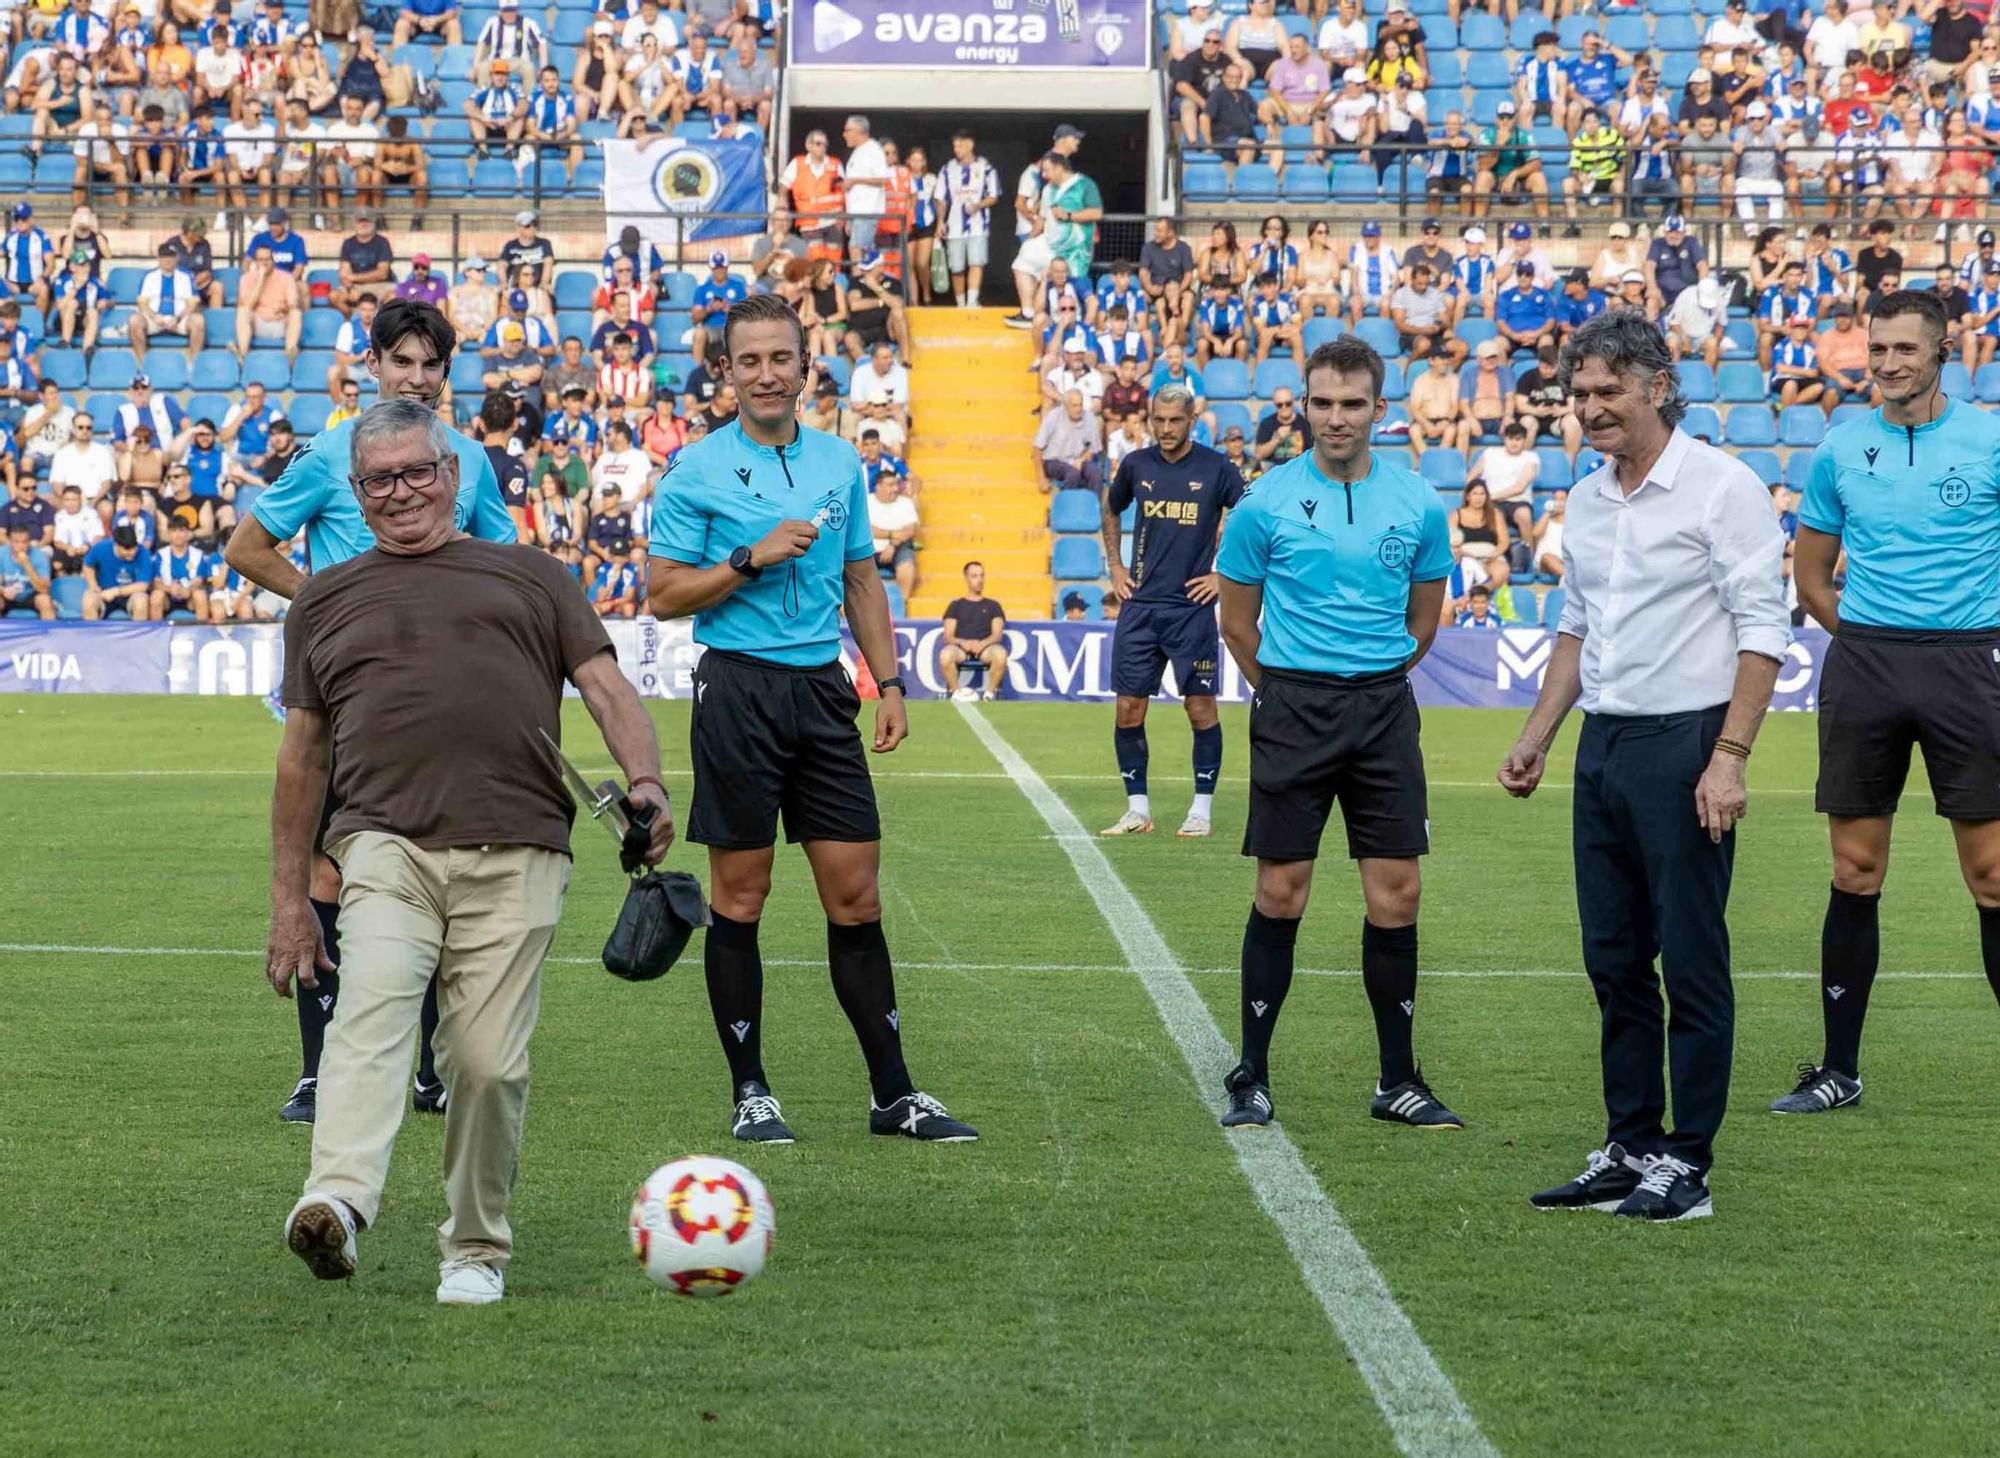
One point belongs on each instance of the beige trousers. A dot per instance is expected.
(482, 918)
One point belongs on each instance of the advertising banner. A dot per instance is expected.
(82, 658)
(974, 35)
(656, 187)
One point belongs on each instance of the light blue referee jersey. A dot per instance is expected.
(726, 491)
(1336, 561)
(314, 496)
(1918, 510)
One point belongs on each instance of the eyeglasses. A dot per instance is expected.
(420, 477)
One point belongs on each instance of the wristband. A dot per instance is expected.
(1733, 746)
(894, 681)
(653, 780)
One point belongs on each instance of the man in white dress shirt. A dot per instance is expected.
(1672, 630)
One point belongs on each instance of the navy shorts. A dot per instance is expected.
(1152, 635)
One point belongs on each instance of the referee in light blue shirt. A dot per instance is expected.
(1910, 491)
(1344, 557)
(760, 533)
(1672, 630)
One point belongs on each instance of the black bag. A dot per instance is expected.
(660, 913)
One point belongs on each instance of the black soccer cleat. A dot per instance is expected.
(1414, 1104)
(758, 1120)
(428, 1098)
(1670, 1189)
(1609, 1175)
(919, 1116)
(303, 1105)
(1820, 1091)
(1249, 1099)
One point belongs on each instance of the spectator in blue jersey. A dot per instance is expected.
(200, 156)
(19, 384)
(1524, 314)
(1478, 612)
(615, 591)
(1541, 81)
(1674, 260)
(573, 424)
(25, 572)
(134, 512)
(1121, 343)
(1118, 289)
(1485, 394)
(1220, 326)
(118, 577)
(287, 248)
(27, 257)
(79, 303)
(497, 111)
(1373, 271)
(1274, 315)
(1593, 79)
(1982, 322)
(431, 19)
(552, 122)
(1174, 368)
(1780, 303)
(1577, 304)
(712, 298)
(168, 303)
(185, 569)
(1450, 167)
(644, 257)
(876, 461)
(1795, 373)
(143, 407)
(213, 476)
(247, 428)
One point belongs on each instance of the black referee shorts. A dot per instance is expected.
(1882, 690)
(1317, 738)
(768, 738)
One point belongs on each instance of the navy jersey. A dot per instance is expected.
(1180, 508)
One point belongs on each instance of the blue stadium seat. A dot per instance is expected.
(208, 405)
(1555, 472)
(1255, 182)
(1570, 29)
(589, 177)
(1074, 511)
(1228, 413)
(1701, 421)
(1447, 71)
(221, 326)
(1442, 466)
(1479, 31)
(574, 288)
(1844, 413)
(1355, 182)
(321, 328)
(1750, 425)
(309, 373)
(1273, 375)
(1486, 105)
(1552, 607)
(1765, 463)
(1697, 381)
(1077, 559)
(1475, 332)
(839, 366)
(1986, 384)
(1527, 25)
(1675, 68)
(1394, 385)
(1628, 33)
(67, 594)
(1304, 181)
(167, 369)
(112, 369)
(572, 27)
(1798, 469)
(269, 369)
(1227, 379)
(67, 367)
(1739, 336)
(1324, 330)
(103, 407)
(1488, 71)
(1090, 592)
(55, 174)
(1741, 383)
(466, 370)
(1675, 33)
(17, 173)
(680, 290)
(1801, 425)
(1380, 335)
(308, 414)
(214, 369)
(494, 177)
(123, 281)
(1955, 382)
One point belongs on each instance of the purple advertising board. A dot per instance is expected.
(1015, 35)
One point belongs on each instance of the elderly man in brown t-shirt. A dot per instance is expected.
(427, 665)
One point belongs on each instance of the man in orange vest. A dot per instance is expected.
(813, 180)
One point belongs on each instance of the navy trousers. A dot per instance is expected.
(1651, 884)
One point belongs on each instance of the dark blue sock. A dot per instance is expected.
(1389, 977)
(1131, 747)
(1207, 758)
(315, 1004)
(427, 1069)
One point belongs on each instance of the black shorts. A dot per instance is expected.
(1314, 739)
(1882, 690)
(1150, 635)
(765, 738)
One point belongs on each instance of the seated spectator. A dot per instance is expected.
(214, 473)
(365, 263)
(1523, 312)
(1434, 405)
(1957, 311)
(1479, 610)
(77, 527)
(346, 395)
(881, 371)
(1221, 326)
(29, 508)
(1478, 529)
(974, 631)
(1547, 548)
(1126, 395)
(267, 305)
(572, 424)
(1373, 271)
(351, 344)
(609, 536)
(1982, 324)
(623, 471)
(712, 298)
(281, 448)
(622, 378)
(875, 307)
(616, 589)
(25, 572)
(169, 303)
(877, 462)
(431, 19)
(103, 149)
(185, 572)
(877, 413)
(231, 597)
(79, 302)
(134, 512)
(1347, 120)
(1276, 318)
(1235, 450)
(1509, 471)
(1697, 321)
(497, 113)
(1075, 372)
(1486, 394)
(118, 577)
(1634, 298)
(218, 71)
(1509, 168)
(247, 429)
(60, 106)
(1577, 304)
(1067, 445)
(644, 347)
(1423, 316)
(161, 413)
(1120, 343)
(1227, 118)
(1781, 303)
(513, 363)
(1795, 374)
(1282, 434)
(47, 428)
(749, 79)
(85, 462)
(892, 518)
(1131, 435)
(1543, 406)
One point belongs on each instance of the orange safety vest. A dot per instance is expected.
(899, 200)
(816, 194)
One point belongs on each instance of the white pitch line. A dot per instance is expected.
(1423, 1410)
(1466, 974)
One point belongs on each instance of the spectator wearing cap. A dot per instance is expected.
(527, 246)
(1485, 394)
(1236, 450)
(143, 406)
(540, 338)
(168, 303)
(511, 362)
(1596, 165)
(881, 371)
(422, 283)
(1758, 170)
(1067, 445)
(1884, 33)
(1509, 168)
(1795, 368)
(473, 305)
(1075, 368)
(1348, 119)
(432, 19)
(1523, 312)
(1475, 277)
(1696, 323)
(287, 248)
(1371, 275)
(497, 111)
(1430, 250)
(1632, 296)
(712, 298)
(875, 307)
(1674, 261)
(1982, 324)
(508, 36)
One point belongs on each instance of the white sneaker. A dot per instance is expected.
(1130, 823)
(1194, 827)
(469, 1283)
(320, 1232)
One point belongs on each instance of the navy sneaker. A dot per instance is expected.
(919, 1116)
(1609, 1175)
(429, 1098)
(1670, 1189)
(302, 1106)
(1414, 1104)
(1249, 1099)
(1820, 1091)
(758, 1120)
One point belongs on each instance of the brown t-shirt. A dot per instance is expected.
(435, 672)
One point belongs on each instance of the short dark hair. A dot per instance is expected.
(763, 309)
(975, 562)
(398, 319)
(1348, 355)
(497, 412)
(1924, 303)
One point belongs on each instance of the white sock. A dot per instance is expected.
(961, 300)
(1202, 805)
(1139, 805)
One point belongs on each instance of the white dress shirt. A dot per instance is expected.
(1666, 586)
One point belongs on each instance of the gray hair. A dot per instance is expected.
(860, 123)
(1175, 393)
(1628, 344)
(392, 419)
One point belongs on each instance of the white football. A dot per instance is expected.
(702, 1226)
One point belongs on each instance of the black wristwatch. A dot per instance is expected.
(740, 561)
(893, 681)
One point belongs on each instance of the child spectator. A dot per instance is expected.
(1795, 374)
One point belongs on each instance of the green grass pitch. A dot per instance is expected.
(1095, 1277)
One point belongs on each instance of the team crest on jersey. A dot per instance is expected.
(1954, 491)
(835, 508)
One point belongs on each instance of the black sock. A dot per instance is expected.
(1268, 945)
(1131, 747)
(427, 1068)
(1207, 758)
(1389, 976)
(316, 1003)
(1850, 948)
(1989, 944)
(866, 986)
(735, 973)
